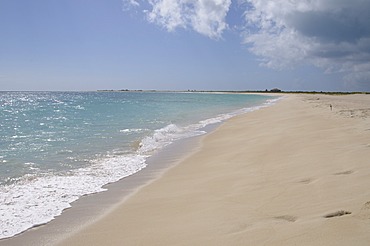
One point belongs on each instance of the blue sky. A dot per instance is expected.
(185, 44)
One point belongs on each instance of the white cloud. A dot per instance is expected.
(206, 17)
(331, 34)
(209, 17)
(169, 14)
(129, 4)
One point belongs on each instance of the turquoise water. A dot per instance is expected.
(58, 146)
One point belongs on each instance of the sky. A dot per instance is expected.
(309, 45)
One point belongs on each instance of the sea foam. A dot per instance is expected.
(35, 200)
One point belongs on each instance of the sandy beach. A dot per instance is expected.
(295, 173)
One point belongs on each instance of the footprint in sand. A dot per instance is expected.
(364, 213)
(366, 205)
(344, 172)
(306, 181)
(336, 214)
(288, 218)
(240, 228)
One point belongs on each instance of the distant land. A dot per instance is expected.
(275, 90)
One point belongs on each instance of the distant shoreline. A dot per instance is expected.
(203, 91)
(247, 91)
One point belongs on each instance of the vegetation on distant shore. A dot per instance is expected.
(312, 92)
(275, 90)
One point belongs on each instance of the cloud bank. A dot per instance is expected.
(330, 34)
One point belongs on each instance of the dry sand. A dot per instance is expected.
(296, 173)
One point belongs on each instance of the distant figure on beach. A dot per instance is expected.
(331, 107)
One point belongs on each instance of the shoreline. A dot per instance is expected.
(293, 173)
(67, 229)
(87, 203)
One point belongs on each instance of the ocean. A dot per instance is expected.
(56, 147)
